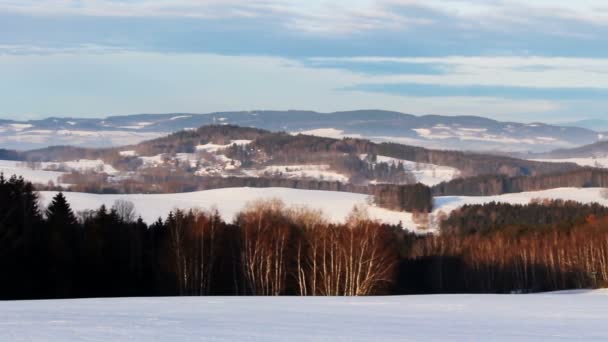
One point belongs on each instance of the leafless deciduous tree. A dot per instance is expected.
(125, 210)
(266, 234)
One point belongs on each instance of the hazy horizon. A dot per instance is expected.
(573, 122)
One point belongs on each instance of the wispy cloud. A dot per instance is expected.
(425, 56)
(496, 91)
(510, 71)
(337, 16)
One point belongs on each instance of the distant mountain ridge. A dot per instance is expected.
(433, 131)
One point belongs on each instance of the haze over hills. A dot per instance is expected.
(593, 124)
(595, 150)
(434, 131)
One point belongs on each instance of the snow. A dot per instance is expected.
(10, 168)
(180, 117)
(152, 160)
(302, 171)
(212, 148)
(588, 161)
(447, 204)
(128, 153)
(567, 316)
(36, 138)
(20, 127)
(138, 125)
(328, 133)
(442, 132)
(82, 165)
(50, 171)
(429, 174)
(229, 201)
(190, 158)
(335, 205)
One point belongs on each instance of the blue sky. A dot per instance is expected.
(536, 60)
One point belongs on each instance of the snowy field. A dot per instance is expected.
(10, 168)
(427, 174)
(335, 205)
(229, 201)
(560, 316)
(585, 195)
(322, 172)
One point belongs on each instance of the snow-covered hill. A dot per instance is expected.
(335, 205)
(10, 168)
(586, 195)
(428, 174)
(560, 316)
(434, 131)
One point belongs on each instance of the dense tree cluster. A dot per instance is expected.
(545, 214)
(509, 260)
(416, 198)
(473, 164)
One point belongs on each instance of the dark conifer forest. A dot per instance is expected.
(270, 249)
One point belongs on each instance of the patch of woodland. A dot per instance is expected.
(490, 185)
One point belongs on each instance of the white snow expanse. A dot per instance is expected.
(428, 174)
(10, 168)
(585, 195)
(559, 316)
(301, 171)
(335, 205)
(212, 148)
(82, 165)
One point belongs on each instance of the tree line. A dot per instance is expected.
(491, 185)
(267, 250)
(270, 249)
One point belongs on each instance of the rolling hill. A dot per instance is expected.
(434, 131)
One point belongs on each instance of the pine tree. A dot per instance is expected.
(62, 224)
(59, 213)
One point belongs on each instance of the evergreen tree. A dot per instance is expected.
(20, 222)
(62, 243)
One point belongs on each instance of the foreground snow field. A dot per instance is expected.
(558, 316)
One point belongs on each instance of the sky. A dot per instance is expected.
(534, 60)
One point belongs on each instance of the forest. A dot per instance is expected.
(270, 249)
(490, 185)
